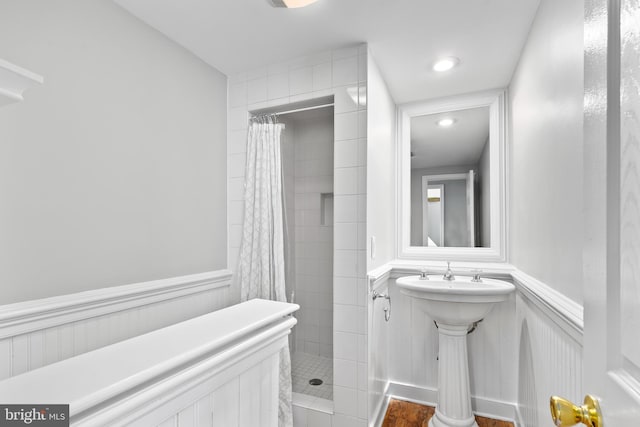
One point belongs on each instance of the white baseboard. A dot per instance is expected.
(481, 406)
(381, 410)
(518, 422)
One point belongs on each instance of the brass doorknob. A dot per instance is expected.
(565, 413)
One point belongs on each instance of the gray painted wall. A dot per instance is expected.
(546, 163)
(114, 170)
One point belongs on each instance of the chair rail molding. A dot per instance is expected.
(24, 317)
(563, 311)
(14, 81)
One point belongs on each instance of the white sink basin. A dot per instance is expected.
(456, 302)
(454, 305)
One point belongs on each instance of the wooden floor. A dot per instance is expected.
(408, 414)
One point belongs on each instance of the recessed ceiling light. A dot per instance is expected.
(291, 4)
(446, 122)
(445, 64)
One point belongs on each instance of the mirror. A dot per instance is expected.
(451, 176)
(450, 150)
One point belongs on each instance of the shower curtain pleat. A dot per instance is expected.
(261, 266)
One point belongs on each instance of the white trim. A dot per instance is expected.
(518, 417)
(484, 407)
(399, 268)
(312, 403)
(24, 317)
(496, 99)
(379, 276)
(381, 410)
(563, 311)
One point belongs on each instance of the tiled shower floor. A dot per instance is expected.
(307, 366)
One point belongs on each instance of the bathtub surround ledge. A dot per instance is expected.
(220, 355)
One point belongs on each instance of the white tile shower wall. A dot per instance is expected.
(313, 146)
(549, 363)
(413, 344)
(313, 77)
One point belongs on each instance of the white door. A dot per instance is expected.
(471, 208)
(612, 207)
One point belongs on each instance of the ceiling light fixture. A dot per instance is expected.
(446, 122)
(445, 64)
(291, 4)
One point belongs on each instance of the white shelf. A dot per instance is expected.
(14, 81)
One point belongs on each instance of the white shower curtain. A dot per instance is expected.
(261, 269)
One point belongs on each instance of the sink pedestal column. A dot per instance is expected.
(454, 395)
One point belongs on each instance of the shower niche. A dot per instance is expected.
(326, 209)
(308, 169)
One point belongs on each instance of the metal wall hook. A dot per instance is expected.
(387, 310)
(375, 295)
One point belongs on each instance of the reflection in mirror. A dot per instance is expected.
(450, 177)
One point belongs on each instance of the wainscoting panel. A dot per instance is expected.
(550, 363)
(250, 399)
(413, 340)
(37, 333)
(525, 350)
(377, 379)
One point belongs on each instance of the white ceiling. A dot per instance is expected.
(458, 145)
(405, 36)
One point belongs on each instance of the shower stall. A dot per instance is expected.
(308, 167)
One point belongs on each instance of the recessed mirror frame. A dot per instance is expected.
(495, 100)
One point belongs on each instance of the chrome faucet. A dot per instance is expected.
(424, 275)
(476, 276)
(448, 275)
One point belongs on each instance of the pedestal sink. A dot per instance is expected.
(455, 305)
